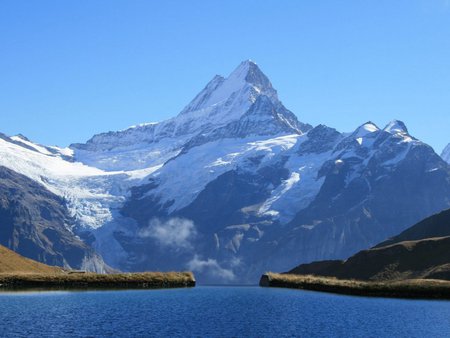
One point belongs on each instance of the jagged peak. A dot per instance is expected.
(249, 72)
(23, 137)
(245, 92)
(396, 127)
(247, 79)
(365, 129)
(322, 130)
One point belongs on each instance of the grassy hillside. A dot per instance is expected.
(11, 262)
(20, 272)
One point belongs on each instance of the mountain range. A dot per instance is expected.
(232, 186)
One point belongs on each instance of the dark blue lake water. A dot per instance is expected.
(218, 312)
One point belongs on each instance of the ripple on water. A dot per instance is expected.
(218, 312)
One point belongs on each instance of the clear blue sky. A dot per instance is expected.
(70, 69)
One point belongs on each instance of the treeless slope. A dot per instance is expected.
(422, 251)
(19, 272)
(11, 262)
(423, 259)
(435, 226)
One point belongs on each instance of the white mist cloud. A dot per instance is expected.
(211, 267)
(174, 232)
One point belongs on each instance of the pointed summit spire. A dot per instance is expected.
(242, 86)
(249, 72)
(395, 127)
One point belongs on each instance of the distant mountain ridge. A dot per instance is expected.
(236, 184)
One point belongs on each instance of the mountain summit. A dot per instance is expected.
(225, 100)
(243, 104)
(242, 87)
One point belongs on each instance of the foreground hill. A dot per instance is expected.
(11, 262)
(435, 226)
(422, 259)
(17, 271)
(420, 252)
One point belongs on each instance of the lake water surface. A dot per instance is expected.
(218, 312)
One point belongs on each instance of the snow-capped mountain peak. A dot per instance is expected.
(365, 129)
(243, 104)
(396, 127)
(242, 87)
(249, 72)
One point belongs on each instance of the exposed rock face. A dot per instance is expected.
(34, 223)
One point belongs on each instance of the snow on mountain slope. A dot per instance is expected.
(222, 102)
(242, 194)
(446, 154)
(181, 179)
(90, 192)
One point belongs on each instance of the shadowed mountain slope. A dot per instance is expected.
(34, 223)
(421, 252)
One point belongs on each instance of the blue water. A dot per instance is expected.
(218, 312)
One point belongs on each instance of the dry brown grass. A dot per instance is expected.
(12, 262)
(20, 272)
(413, 288)
(93, 280)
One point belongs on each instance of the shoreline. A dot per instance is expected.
(86, 281)
(409, 289)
